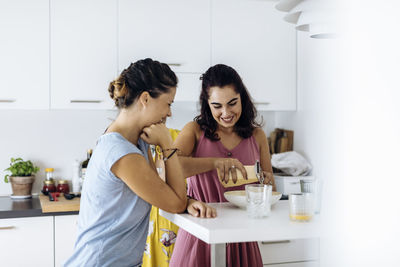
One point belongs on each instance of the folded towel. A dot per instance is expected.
(291, 163)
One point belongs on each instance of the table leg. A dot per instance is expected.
(218, 255)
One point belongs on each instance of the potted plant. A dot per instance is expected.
(21, 177)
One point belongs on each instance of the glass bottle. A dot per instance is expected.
(76, 180)
(49, 174)
(84, 165)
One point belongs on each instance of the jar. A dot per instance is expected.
(63, 186)
(48, 187)
(49, 174)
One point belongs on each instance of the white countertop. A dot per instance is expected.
(233, 225)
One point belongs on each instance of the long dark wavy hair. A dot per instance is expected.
(222, 75)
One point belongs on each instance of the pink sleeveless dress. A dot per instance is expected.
(193, 252)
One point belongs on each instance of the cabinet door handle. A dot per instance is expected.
(174, 64)
(275, 242)
(86, 101)
(7, 227)
(261, 103)
(294, 182)
(7, 100)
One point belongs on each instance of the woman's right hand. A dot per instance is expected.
(200, 209)
(225, 166)
(157, 134)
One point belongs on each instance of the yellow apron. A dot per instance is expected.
(161, 237)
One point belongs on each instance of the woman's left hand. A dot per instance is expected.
(200, 209)
(157, 134)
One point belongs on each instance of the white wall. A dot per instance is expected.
(348, 126)
(316, 123)
(53, 139)
(50, 139)
(317, 101)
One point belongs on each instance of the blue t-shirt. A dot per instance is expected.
(113, 220)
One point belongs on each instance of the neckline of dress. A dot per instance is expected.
(230, 150)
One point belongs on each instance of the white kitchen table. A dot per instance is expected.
(232, 225)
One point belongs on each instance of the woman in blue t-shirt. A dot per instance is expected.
(121, 180)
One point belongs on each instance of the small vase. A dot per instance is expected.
(22, 186)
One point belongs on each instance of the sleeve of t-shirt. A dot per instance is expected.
(119, 149)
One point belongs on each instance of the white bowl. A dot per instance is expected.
(238, 198)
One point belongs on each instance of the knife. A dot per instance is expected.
(259, 173)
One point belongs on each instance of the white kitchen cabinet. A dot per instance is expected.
(289, 251)
(24, 54)
(295, 264)
(176, 32)
(65, 233)
(83, 53)
(27, 242)
(251, 37)
(189, 88)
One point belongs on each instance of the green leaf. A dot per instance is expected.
(19, 167)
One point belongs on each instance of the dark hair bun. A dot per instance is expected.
(145, 75)
(118, 90)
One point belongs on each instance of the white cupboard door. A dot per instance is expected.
(65, 233)
(83, 53)
(27, 242)
(295, 264)
(289, 251)
(252, 37)
(189, 88)
(176, 32)
(24, 54)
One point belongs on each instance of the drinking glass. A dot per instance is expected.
(301, 207)
(315, 187)
(258, 200)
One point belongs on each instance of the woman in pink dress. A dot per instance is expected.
(223, 138)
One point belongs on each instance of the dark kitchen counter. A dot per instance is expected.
(11, 208)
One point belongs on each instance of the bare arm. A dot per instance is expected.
(142, 178)
(194, 207)
(192, 166)
(186, 143)
(151, 161)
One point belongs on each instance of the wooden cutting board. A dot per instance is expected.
(61, 205)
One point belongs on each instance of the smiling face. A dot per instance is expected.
(159, 108)
(225, 105)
